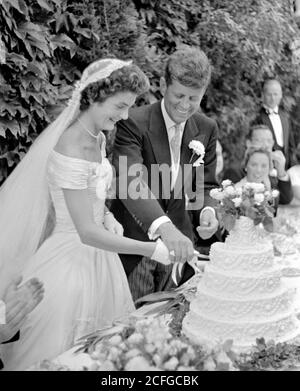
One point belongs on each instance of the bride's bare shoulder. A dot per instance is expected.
(68, 143)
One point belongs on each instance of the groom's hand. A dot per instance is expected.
(208, 224)
(177, 242)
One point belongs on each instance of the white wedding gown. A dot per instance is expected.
(85, 288)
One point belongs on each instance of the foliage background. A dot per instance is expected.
(45, 44)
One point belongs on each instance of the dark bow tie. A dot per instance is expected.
(271, 111)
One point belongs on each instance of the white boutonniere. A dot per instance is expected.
(198, 149)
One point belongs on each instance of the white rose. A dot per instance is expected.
(229, 191)
(114, 353)
(133, 353)
(150, 348)
(197, 147)
(191, 352)
(157, 359)
(237, 201)
(171, 364)
(135, 338)
(183, 368)
(226, 182)
(259, 198)
(238, 191)
(209, 364)
(275, 193)
(93, 367)
(214, 193)
(137, 363)
(115, 340)
(267, 194)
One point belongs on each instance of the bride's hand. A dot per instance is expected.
(112, 225)
(161, 253)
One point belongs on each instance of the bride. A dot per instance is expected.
(65, 177)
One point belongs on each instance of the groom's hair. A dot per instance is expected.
(190, 67)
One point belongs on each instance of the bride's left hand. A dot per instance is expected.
(112, 225)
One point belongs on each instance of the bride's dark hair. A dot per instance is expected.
(130, 78)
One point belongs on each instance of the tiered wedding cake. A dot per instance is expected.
(241, 296)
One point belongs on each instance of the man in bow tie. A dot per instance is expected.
(158, 135)
(276, 119)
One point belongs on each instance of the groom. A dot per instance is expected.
(156, 137)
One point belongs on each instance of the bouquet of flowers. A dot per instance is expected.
(252, 200)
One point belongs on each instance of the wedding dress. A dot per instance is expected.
(85, 288)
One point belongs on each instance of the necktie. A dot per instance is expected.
(175, 143)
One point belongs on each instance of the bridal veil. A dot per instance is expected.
(24, 196)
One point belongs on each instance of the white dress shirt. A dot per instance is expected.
(277, 125)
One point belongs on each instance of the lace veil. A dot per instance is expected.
(24, 196)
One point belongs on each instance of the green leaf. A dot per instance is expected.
(268, 224)
(40, 45)
(18, 5)
(11, 125)
(62, 41)
(60, 21)
(28, 48)
(11, 108)
(157, 296)
(229, 221)
(16, 59)
(45, 5)
(29, 27)
(165, 307)
(84, 32)
(37, 69)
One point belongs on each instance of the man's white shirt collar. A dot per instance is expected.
(276, 109)
(168, 121)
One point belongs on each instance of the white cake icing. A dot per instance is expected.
(241, 295)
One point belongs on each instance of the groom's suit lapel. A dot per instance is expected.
(158, 136)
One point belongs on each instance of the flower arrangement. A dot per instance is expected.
(146, 346)
(198, 149)
(251, 200)
(150, 346)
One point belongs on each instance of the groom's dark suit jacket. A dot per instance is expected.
(288, 138)
(143, 139)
